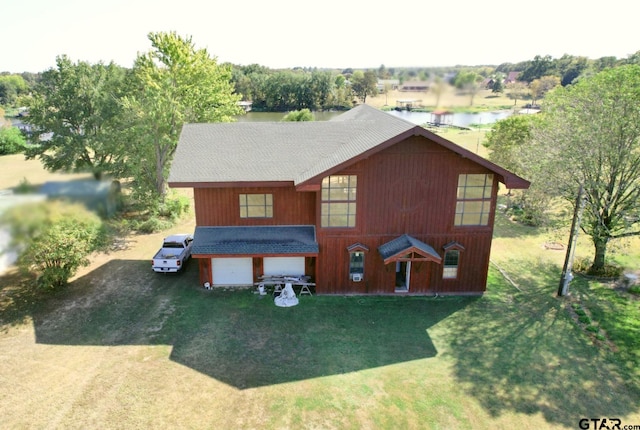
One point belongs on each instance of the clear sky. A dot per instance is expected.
(320, 33)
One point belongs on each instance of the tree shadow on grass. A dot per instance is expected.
(239, 337)
(519, 351)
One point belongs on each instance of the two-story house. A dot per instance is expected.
(366, 203)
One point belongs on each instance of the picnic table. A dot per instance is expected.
(278, 282)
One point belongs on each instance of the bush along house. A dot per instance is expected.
(366, 203)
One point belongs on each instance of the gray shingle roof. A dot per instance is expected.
(403, 244)
(279, 151)
(249, 152)
(253, 240)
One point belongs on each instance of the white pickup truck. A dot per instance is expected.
(175, 251)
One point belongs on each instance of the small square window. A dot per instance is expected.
(256, 205)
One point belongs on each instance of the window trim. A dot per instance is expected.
(267, 206)
(464, 197)
(330, 201)
(357, 248)
(450, 271)
(451, 247)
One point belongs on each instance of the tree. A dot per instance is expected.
(516, 91)
(383, 73)
(11, 86)
(78, 105)
(591, 138)
(570, 68)
(364, 84)
(539, 67)
(175, 84)
(508, 143)
(540, 87)
(54, 240)
(498, 85)
(469, 82)
(298, 115)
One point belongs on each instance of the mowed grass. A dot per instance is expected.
(127, 348)
(124, 347)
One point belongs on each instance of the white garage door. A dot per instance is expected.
(232, 271)
(274, 266)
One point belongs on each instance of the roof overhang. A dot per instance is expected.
(255, 241)
(407, 248)
(235, 184)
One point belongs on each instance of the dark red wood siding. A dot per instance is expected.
(220, 206)
(409, 188)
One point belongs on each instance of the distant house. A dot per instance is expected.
(512, 77)
(366, 203)
(384, 84)
(417, 86)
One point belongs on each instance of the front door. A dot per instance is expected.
(403, 276)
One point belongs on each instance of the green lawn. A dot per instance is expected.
(127, 348)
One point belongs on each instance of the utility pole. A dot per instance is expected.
(566, 276)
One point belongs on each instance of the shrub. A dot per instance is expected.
(152, 225)
(24, 187)
(174, 207)
(54, 240)
(635, 289)
(12, 141)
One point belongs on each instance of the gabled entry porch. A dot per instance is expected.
(410, 257)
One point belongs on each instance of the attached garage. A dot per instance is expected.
(274, 266)
(235, 256)
(232, 271)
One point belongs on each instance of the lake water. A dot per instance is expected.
(418, 118)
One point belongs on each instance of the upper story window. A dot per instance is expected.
(256, 205)
(473, 204)
(338, 201)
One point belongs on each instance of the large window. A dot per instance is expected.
(473, 204)
(256, 205)
(451, 260)
(338, 206)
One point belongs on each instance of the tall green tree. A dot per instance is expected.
(508, 143)
(364, 84)
(591, 137)
(77, 105)
(539, 67)
(175, 84)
